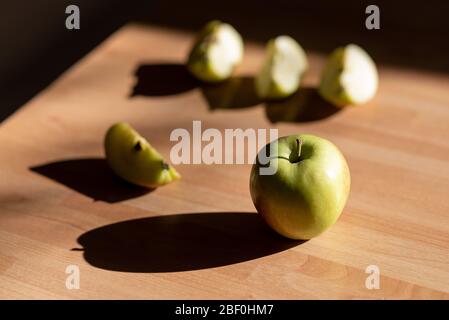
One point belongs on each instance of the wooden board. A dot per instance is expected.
(200, 237)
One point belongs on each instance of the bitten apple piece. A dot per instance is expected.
(217, 50)
(133, 159)
(284, 64)
(350, 77)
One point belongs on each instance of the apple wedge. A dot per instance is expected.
(216, 52)
(282, 69)
(349, 77)
(133, 159)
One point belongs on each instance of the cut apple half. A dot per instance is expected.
(133, 159)
(284, 64)
(350, 77)
(216, 52)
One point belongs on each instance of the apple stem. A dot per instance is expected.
(296, 156)
(298, 145)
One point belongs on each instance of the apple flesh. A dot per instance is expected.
(281, 72)
(308, 191)
(350, 77)
(217, 50)
(133, 159)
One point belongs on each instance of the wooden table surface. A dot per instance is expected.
(200, 237)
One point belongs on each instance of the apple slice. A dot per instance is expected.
(216, 52)
(133, 159)
(350, 77)
(282, 69)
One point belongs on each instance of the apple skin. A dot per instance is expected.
(217, 50)
(350, 77)
(133, 159)
(282, 52)
(306, 195)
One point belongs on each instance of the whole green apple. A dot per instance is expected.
(133, 159)
(308, 190)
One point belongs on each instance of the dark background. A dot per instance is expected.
(36, 47)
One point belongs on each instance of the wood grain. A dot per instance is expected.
(200, 237)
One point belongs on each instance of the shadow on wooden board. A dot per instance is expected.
(237, 92)
(181, 242)
(91, 177)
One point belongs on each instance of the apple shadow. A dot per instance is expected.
(306, 105)
(181, 242)
(91, 177)
(162, 79)
(235, 93)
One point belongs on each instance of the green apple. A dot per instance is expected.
(217, 50)
(308, 190)
(349, 77)
(284, 64)
(133, 159)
